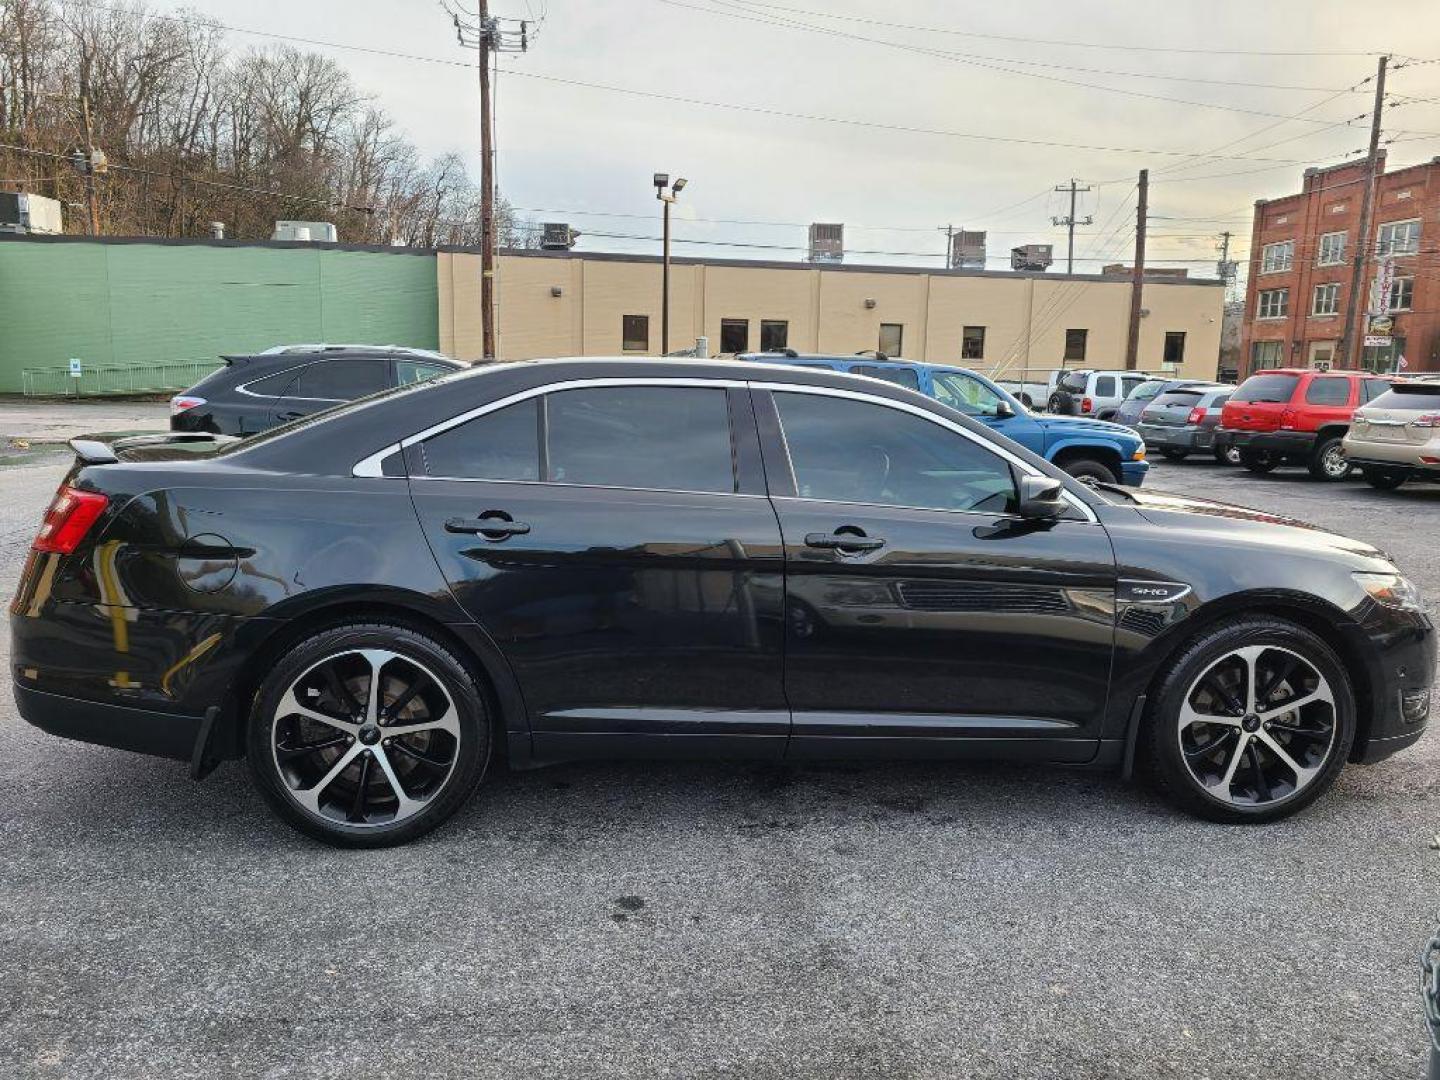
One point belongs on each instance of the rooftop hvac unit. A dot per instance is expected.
(557, 236)
(827, 243)
(32, 214)
(1032, 257)
(322, 232)
(967, 250)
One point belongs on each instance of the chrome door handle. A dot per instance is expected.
(848, 542)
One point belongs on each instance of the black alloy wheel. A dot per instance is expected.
(368, 735)
(1253, 722)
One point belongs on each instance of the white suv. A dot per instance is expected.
(1085, 392)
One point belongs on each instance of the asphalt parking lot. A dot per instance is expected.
(720, 920)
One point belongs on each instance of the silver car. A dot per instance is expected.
(1396, 437)
(1182, 420)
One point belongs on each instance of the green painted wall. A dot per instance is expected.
(138, 304)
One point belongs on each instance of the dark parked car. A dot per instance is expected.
(1139, 399)
(544, 561)
(253, 393)
(1183, 420)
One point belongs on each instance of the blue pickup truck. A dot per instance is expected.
(1094, 449)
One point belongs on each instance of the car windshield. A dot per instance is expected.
(1409, 398)
(1274, 389)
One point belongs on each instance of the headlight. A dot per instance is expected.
(1139, 454)
(1391, 590)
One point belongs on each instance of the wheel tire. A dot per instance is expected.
(1061, 403)
(1227, 455)
(1328, 461)
(410, 650)
(1385, 479)
(1090, 469)
(1164, 750)
(1174, 455)
(1258, 461)
(1107, 414)
(1027, 401)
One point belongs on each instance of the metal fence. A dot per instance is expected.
(115, 379)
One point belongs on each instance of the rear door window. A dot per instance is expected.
(899, 376)
(1276, 389)
(669, 438)
(341, 380)
(1332, 391)
(501, 445)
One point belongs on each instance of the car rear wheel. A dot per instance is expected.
(1258, 461)
(1227, 455)
(368, 735)
(1328, 461)
(1175, 455)
(1385, 479)
(1090, 469)
(1253, 722)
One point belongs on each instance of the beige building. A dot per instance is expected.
(570, 304)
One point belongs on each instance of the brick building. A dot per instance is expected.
(1301, 258)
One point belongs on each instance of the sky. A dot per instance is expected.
(1224, 101)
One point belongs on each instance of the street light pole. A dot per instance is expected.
(662, 181)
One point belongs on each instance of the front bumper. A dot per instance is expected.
(1401, 669)
(1283, 443)
(1132, 473)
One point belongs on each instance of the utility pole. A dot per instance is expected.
(1069, 222)
(1137, 274)
(92, 197)
(1362, 242)
(1225, 269)
(489, 38)
(949, 247)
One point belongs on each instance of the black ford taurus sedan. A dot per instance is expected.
(554, 560)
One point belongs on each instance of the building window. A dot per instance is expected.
(1265, 354)
(892, 337)
(1332, 249)
(1075, 344)
(1174, 347)
(972, 343)
(1274, 303)
(1402, 293)
(635, 333)
(734, 335)
(1277, 257)
(1398, 238)
(1327, 299)
(774, 335)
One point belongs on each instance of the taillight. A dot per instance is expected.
(1426, 420)
(1086, 405)
(183, 403)
(68, 520)
(1196, 415)
(1287, 418)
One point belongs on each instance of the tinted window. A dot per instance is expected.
(1259, 388)
(341, 380)
(273, 385)
(1146, 390)
(851, 451)
(411, 371)
(1073, 381)
(1218, 400)
(1105, 386)
(1188, 398)
(672, 438)
(899, 376)
(1373, 388)
(502, 445)
(1418, 398)
(966, 393)
(1328, 392)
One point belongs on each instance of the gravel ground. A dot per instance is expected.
(713, 920)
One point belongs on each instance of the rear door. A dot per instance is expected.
(616, 543)
(1328, 400)
(921, 615)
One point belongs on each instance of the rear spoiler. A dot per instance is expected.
(95, 452)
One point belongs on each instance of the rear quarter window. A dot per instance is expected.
(1267, 388)
(1074, 382)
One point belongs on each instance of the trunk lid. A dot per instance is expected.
(1260, 402)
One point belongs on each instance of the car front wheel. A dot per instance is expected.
(1090, 469)
(368, 735)
(1253, 721)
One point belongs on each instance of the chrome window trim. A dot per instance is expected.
(371, 465)
(244, 388)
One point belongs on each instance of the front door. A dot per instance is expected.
(620, 552)
(922, 615)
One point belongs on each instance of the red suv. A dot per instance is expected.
(1295, 416)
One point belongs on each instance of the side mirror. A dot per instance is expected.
(1003, 410)
(1040, 498)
